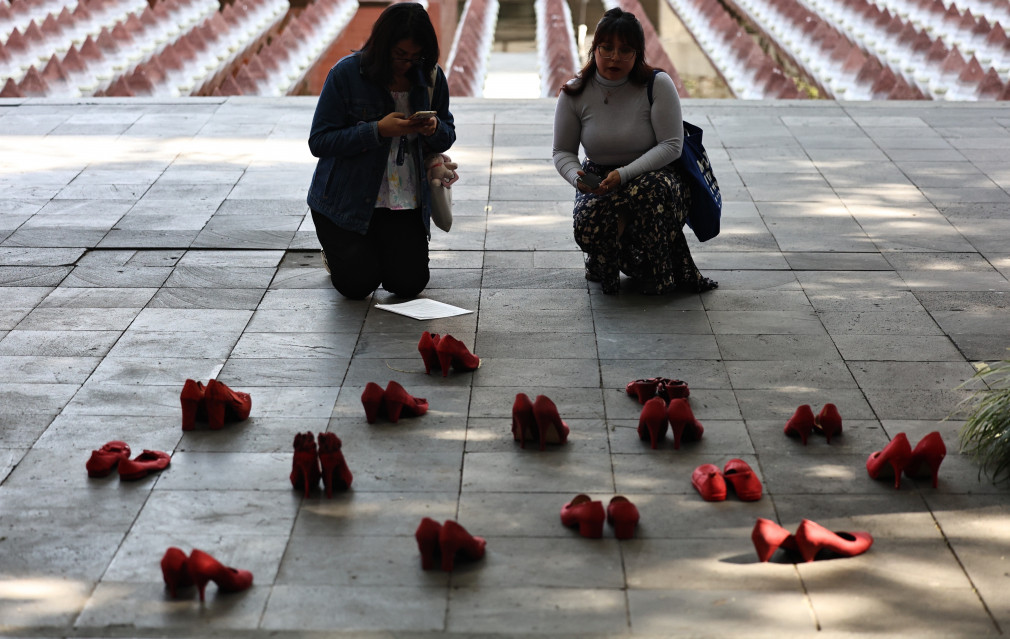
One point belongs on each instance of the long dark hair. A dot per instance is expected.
(400, 21)
(615, 23)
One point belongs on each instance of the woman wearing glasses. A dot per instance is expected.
(369, 197)
(631, 202)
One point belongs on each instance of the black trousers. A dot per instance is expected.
(392, 254)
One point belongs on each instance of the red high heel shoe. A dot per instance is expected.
(204, 568)
(926, 458)
(672, 389)
(683, 423)
(552, 430)
(707, 479)
(427, 534)
(427, 346)
(194, 405)
(801, 423)
(305, 466)
(812, 537)
(891, 460)
(225, 404)
(623, 516)
(524, 424)
(586, 513)
(828, 422)
(149, 461)
(396, 400)
(652, 422)
(643, 389)
(743, 479)
(104, 460)
(769, 537)
(453, 352)
(454, 538)
(175, 570)
(371, 399)
(334, 466)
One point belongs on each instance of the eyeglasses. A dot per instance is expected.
(621, 54)
(417, 60)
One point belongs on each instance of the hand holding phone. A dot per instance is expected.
(590, 181)
(423, 115)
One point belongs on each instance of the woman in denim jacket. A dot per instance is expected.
(369, 197)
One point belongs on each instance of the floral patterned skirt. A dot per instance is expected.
(651, 248)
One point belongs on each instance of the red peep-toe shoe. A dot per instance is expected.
(811, 538)
(371, 399)
(524, 424)
(801, 424)
(397, 401)
(104, 460)
(225, 404)
(149, 461)
(652, 422)
(334, 467)
(452, 352)
(743, 479)
(549, 425)
(828, 422)
(926, 458)
(427, 542)
(453, 539)
(890, 461)
(305, 465)
(427, 346)
(707, 479)
(623, 516)
(175, 570)
(683, 423)
(769, 537)
(587, 514)
(194, 404)
(204, 568)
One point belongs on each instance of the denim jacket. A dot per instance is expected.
(353, 156)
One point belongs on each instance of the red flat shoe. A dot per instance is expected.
(104, 460)
(549, 425)
(743, 479)
(398, 401)
(623, 516)
(652, 422)
(524, 424)
(453, 539)
(149, 461)
(427, 346)
(890, 461)
(225, 404)
(334, 467)
(204, 568)
(371, 399)
(175, 570)
(452, 352)
(194, 404)
(828, 422)
(427, 534)
(811, 538)
(707, 479)
(305, 465)
(801, 423)
(586, 513)
(683, 423)
(769, 537)
(926, 457)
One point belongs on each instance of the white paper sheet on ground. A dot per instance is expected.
(424, 309)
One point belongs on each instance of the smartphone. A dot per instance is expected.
(590, 180)
(423, 115)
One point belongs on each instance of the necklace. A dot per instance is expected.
(609, 92)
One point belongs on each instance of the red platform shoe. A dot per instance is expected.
(225, 404)
(549, 425)
(452, 352)
(683, 423)
(524, 424)
(175, 570)
(801, 424)
(104, 460)
(427, 534)
(427, 347)
(397, 401)
(828, 422)
(652, 422)
(769, 537)
(890, 461)
(453, 539)
(623, 516)
(812, 538)
(194, 404)
(334, 467)
(926, 458)
(149, 461)
(204, 568)
(587, 514)
(305, 466)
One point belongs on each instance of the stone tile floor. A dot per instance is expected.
(864, 261)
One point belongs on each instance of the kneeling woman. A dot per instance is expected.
(633, 220)
(369, 197)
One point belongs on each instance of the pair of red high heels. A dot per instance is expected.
(214, 403)
(327, 462)
(810, 539)
(116, 455)
(393, 402)
(588, 515)
(662, 387)
(656, 415)
(538, 420)
(711, 483)
(440, 543)
(181, 571)
(922, 462)
(445, 351)
(828, 422)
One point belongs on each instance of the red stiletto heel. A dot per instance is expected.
(371, 399)
(427, 534)
(149, 461)
(225, 404)
(643, 389)
(891, 460)
(926, 457)
(104, 460)
(334, 467)
(801, 424)
(454, 538)
(743, 479)
(552, 430)
(588, 514)
(175, 570)
(769, 537)
(204, 568)
(305, 466)
(623, 516)
(707, 479)
(194, 404)
(396, 400)
(652, 422)
(828, 422)
(811, 538)
(672, 389)
(524, 424)
(427, 347)
(452, 352)
(683, 423)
